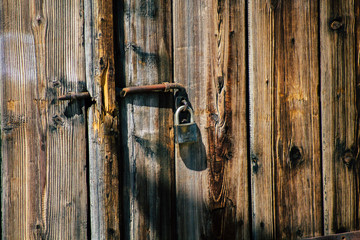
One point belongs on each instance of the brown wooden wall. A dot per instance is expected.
(275, 89)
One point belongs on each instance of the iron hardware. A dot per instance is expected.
(162, 87)
(185, 132)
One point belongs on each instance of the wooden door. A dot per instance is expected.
(274, 86)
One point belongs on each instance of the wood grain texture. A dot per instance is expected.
(357, 134)
(340, 119)
(261, 76)
(146, 121)
(102, 121)
(44, 141)
(211, 176)
(284, 119)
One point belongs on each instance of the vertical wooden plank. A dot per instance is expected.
(284, 119)
(261, 104)
(146, 121)
(340, 118)
(44, 140)
(102, 121)
(357, 101)
(212, 192)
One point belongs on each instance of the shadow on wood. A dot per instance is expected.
(151, 99)
(194, 154)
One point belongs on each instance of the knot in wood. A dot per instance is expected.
(38, 21)
(348, 158)
(336, 24)
(295, 155)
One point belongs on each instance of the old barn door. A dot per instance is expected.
(202, 191)
(274, 86)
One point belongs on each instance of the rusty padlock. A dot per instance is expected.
(186, 132)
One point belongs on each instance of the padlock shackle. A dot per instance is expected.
(181, 108)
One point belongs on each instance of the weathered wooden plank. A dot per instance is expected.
(44, 140)
(146, 121)
(211, 176)
(357, 101)
(284, 119)
(261, 78)
(102, 121)
(340, 120)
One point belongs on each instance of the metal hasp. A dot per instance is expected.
(162, 87)
(185, 132)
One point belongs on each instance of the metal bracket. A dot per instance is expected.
(180, 96)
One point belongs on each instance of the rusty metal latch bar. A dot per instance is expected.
(74, 96)
(162, 87)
